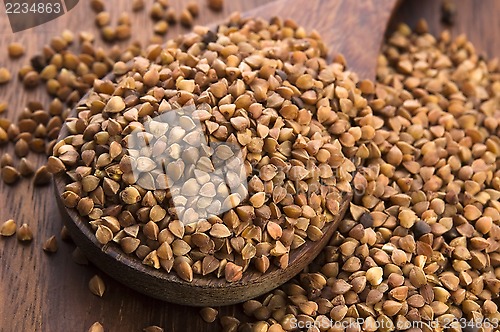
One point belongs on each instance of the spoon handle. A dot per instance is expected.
(352, 28)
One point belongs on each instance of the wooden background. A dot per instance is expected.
(39, 292)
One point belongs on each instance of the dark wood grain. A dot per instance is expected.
(49, 293)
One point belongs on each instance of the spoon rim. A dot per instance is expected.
(272, 278)
(113, 251)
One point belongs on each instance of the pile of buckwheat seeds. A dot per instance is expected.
(273, 99)
(419, 148)
(420, 247)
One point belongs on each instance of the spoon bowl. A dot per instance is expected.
(354, 28)
(202, 291)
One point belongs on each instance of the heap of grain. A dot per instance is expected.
(420, 249)
(263, 87)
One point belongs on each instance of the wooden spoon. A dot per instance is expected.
(354, 28)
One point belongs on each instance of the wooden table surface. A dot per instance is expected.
(39, 292)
